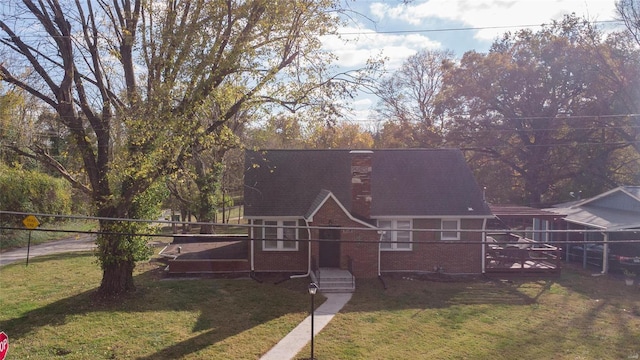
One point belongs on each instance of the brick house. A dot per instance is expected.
(369, 211)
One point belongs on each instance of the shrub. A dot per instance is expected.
(33, 192)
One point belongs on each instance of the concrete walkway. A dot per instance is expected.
(291, 344)
(83, 242)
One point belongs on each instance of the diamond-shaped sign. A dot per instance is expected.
(31, 222)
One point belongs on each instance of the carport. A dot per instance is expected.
(611, 217)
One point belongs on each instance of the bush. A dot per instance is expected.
(33, 192)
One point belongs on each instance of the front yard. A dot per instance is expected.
(577, 316)
(48, 312)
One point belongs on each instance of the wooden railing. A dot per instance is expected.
(518, 254)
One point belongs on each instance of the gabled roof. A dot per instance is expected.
(322, 198)
(404, 182)
(615, 209)
(614, 197)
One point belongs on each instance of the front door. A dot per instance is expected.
(329, 248)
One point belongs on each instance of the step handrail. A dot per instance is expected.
(350, 268)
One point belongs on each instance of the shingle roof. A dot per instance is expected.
(615, 209)
(404, 182)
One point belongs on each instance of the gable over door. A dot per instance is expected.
(329, 248)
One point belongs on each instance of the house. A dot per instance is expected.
(611, 219)
(367, 211)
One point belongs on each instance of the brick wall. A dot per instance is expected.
(281, 261)
(360, 245)
(451, 256)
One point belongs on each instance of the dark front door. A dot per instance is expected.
(329, 248)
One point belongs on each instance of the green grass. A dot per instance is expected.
(49, 312)
(233, 225)
(11, 239)
(231, 214)
(576, 316)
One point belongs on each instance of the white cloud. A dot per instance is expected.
(494, 13)
(391, 18)
(357, 45)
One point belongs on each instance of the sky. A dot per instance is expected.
(397, 29)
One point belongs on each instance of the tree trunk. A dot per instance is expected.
(116, 258)
(205, 217)
(207, 181)
(117, 278)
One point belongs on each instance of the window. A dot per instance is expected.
(398, 237)
(277, 235)
(453, 227)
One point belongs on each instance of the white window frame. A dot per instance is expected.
(280, 226)
(445, 233)
(390, 236)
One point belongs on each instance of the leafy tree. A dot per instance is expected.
(132, 81)
(278, 132)
(537, 104)
(399, 134)
(9, 128)
(299, 131)
(341, 135)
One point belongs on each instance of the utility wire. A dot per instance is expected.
(477, 28)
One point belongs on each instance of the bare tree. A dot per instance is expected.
(408, 97)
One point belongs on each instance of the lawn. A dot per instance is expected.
(48, 312)
(576, 316)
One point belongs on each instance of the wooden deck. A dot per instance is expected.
(521, 257)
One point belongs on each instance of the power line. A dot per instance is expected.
(474, 28)
(528, 118)
(416, 31)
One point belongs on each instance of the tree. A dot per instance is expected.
(629, 12)
(277, 132)
(341, 135)
(537, 104)
(408, 98)
(10, 104)
(399, 134)
(131, 80)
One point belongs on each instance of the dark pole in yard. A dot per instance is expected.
(313, 288)
(28, 248)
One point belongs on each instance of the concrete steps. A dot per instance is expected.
(332, 280)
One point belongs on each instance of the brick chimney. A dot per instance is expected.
(361, 183)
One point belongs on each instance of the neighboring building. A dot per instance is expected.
(613, 216)
(530, 222)
(373, 211)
